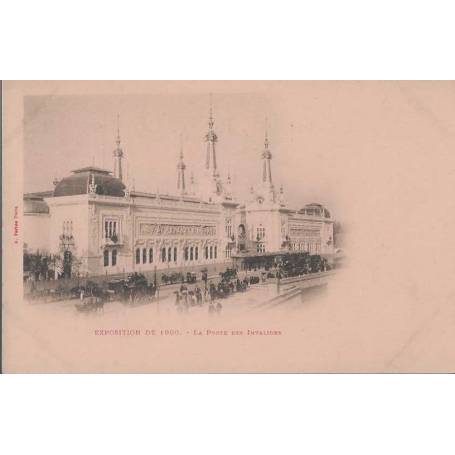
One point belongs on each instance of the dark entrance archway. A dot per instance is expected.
(241, 237)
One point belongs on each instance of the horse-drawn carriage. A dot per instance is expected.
(191, 277)
(92, 297)
(91, 303)
(171, 278)
(228, 274)
(133, 289)
(228, 284)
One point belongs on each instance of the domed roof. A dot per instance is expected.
(79, 181)
(315, 209)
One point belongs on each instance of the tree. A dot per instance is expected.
(43, 265)
(37, 264)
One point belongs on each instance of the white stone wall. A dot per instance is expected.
(309, 233)
(131, 214)
(110, 210)
(266, 222)
(73, 209)
(177, 219)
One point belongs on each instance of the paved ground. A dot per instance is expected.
(258, 297)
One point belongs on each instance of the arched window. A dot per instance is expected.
(114, 257)
(138, 256)
(215, 252)
(106, 258)
(175, 254)
(185, 255)
(211, 252)
(163, 254)
(228, 228)
(191, 253)
(260, 233)
(144, 255)
(150, 255)
(196, 253)
(206, 252)
(241, 231)
(169, 254)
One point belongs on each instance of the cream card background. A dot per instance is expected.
(384, 155)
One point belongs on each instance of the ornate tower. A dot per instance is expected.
(211, 185)
(192, 185)
(228, 186)
(266, 164)
(211, 140)
(281, 199)
(118, 154)
(181, 187)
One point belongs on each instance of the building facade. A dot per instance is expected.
(98, 225)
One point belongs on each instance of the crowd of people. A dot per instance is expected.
(210, 295)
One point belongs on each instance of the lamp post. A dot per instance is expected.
(66, 244)
(278, 281)
(157, 288)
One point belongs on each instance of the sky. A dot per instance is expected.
(357, 147)
(64, 132)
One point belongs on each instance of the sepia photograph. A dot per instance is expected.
(228, 227)
(187, 223)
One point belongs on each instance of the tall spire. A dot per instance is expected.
(118, 130)
(127, 190)
(211, 113)
(118, 154)
(266, 162)
(281, 197)
(228, 186)
(192, 184)
(181, 187)
(211, 139)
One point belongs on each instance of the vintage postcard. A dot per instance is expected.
(228, 226)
